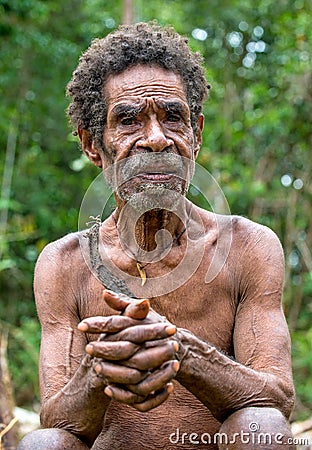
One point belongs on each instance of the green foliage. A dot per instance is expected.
(256, 143)
(302, 366)
(23, 350)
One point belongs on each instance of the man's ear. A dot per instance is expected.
(198, 135)
(87, 145)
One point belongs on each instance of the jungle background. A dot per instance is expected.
(257, 143)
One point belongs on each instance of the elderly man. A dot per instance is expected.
(141, 349)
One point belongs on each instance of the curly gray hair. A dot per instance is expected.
(142, 43)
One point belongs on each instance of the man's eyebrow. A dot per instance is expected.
(126, 110)
(172, 105)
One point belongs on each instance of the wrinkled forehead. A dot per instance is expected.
(144, 82)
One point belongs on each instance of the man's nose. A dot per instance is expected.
(154, 138)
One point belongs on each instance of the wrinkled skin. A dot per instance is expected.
(121, 373)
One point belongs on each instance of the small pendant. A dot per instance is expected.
(142, 273)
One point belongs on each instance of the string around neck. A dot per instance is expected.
(139, 265)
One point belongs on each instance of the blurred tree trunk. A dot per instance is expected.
(127, 17)
(8, 435)
(5, 194)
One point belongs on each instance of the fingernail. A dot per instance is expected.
(89, 349)
(175, 346)
(170, 388)
(83, 326)
(108, 392)
(98, 368)
(176, 366)
(139, 301)
(111, 293)
(170, 330)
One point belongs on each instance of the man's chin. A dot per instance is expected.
(152, 196)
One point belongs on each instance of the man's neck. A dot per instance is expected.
(154, 231)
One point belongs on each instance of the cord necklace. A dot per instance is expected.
(141, 267)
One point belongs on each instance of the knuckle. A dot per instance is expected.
(136, 399)
(135, 377)
(169, 350)
(144, 390)
(109, 323)
(139, 390)
(134, 334)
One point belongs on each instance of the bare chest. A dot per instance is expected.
(205, 309)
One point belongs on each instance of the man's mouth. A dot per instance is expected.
(155, 176)
(168, 171)
(147, 181)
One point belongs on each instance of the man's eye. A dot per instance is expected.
(173, 117)
(127, 121)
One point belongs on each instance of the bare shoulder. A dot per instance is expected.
(245, 239)
(60, 253)
(255, 236)
(238, 226)
(59, 270)
(258, 258)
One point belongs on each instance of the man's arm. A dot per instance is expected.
(72, 394)
(261, 373)
(72, 381)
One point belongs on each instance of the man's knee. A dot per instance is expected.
(256, 428)
(51, 439)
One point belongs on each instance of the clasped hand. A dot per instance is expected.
(135, 353)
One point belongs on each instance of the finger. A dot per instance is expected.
(117, 374)
(109, 324)
(156, 380)
(119, 302)
(114, 351)
(122, 395)
(154, 343)
(138, 309)
(147, 359)
(139, 334)
(154, 400)
(135, 308)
